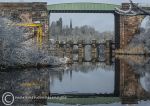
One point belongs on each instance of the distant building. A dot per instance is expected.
(59, 25)
(56, 27)
(71, 24)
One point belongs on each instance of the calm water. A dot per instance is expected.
(127, 78)
(80, 79)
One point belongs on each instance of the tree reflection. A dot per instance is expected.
(26, 83)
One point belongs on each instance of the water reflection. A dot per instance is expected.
(127, 78)
(131, 88)
(25, 83)
(85, 78)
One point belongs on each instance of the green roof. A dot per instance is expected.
(82, 6)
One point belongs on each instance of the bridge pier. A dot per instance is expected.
(108, 52)
(69, 51)
(81, 51)
(117, 30)
(94, 52)
(57, 48)
(62, 49)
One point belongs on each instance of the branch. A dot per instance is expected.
(139, 8)
(130, 11)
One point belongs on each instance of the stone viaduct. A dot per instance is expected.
(125, 26)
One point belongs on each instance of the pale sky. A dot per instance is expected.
(100, 22)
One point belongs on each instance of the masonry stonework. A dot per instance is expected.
(129, 27)
(26, 13)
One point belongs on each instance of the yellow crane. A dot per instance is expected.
(39, 30)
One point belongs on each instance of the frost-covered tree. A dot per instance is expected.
(17, 48)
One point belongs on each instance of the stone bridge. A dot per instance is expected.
(125, 26)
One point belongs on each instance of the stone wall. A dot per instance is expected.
(26, 13)
(128, 27)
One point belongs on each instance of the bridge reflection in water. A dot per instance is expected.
(42, 82)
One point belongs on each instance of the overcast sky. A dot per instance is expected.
(101, 22)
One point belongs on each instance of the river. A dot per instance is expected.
(124, 81)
